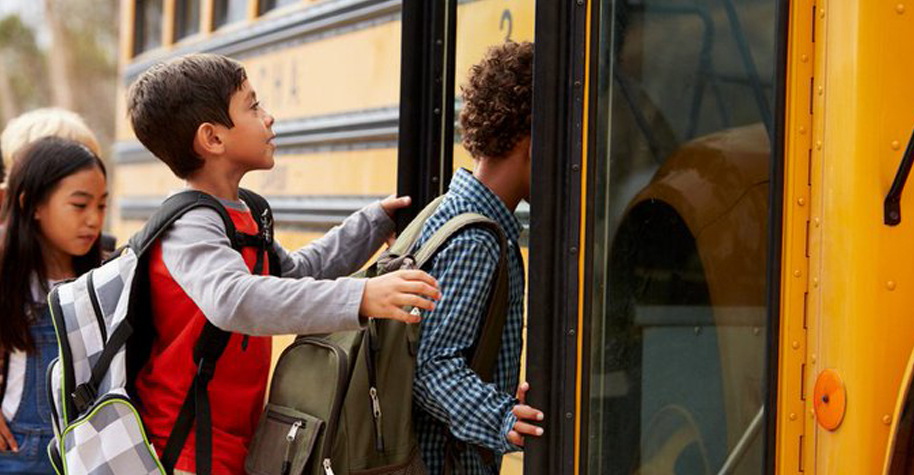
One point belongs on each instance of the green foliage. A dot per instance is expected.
(24, 63)
(89, 37)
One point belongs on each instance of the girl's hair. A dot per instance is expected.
(34, 177)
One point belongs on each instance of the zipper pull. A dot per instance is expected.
(375, 402)
(290, 437)
(244, 343)
(376, 412)
(293, 431)
(408, 263)
(328, 470)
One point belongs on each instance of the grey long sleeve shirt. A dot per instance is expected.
(200, 259)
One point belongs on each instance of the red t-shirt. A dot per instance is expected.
(237, 389)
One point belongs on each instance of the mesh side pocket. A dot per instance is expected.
(109, 439)
(283, 442)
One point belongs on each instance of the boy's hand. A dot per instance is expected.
(391, 204)
(7, 441)
(524, 412)
(385, 296)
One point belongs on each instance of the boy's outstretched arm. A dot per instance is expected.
(345, 248)
(199, 257)
(444, 384)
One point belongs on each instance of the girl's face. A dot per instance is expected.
(71, 218)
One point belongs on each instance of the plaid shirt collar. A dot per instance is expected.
(465, 186)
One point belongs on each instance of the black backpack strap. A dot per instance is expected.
(263, 214)
(196, 406)
(211, 343)
(485, 353)
(173, 208)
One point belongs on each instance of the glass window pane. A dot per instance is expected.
(187, 18)
(228, 11)
(680, 236)
(147, 25)
(267, 5)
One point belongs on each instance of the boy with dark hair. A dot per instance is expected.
(452, 401)
(200, 115)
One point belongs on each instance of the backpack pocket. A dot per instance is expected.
(283, 442)
(108, 439)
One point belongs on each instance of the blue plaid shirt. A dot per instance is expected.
(448, 396)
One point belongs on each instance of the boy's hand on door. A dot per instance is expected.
(524, 413)
(390, 205)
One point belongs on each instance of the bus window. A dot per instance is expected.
(228, 11)
(147, 25)
(267, 5)
(187, 18)
(679, 237)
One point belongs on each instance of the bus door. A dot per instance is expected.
(654, 188)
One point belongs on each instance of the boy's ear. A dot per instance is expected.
(208, 140)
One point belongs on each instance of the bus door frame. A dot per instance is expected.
(425, 149)
(555, 233)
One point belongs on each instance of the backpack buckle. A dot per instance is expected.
(266, 228)
(205, 369)
(83, 396)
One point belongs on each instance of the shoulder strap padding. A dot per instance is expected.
(485, 351)
(407, 238)
(173, 208)
(263, 214)
(484, 354)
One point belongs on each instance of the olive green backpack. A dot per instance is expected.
(342, 403)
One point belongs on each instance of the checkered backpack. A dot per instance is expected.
(104, 334)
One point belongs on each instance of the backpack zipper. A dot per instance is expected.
(370, 351)
(290, 439)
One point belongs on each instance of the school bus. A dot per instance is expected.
(720, 271)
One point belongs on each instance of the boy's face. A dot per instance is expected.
(250, 141)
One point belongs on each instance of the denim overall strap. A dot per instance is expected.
(31, 425)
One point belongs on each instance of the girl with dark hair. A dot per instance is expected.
(52, 218)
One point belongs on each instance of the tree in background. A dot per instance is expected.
(76, 70)
(23, 72)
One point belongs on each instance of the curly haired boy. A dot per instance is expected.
(450, 399)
